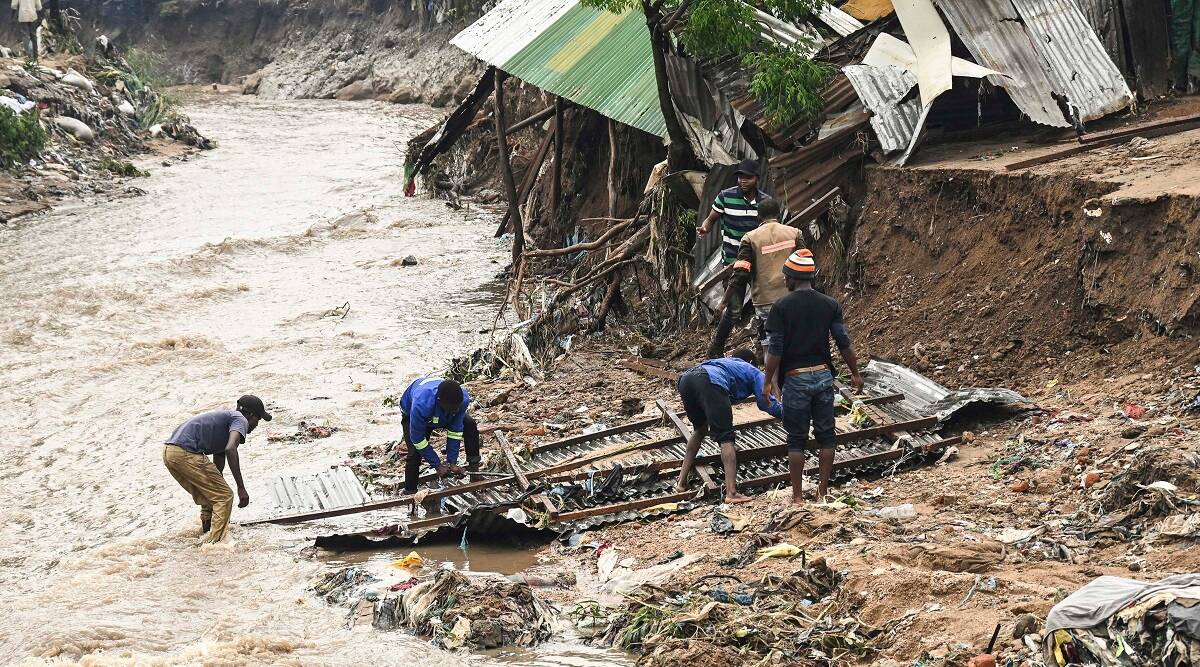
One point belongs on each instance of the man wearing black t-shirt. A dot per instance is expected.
(799, 328)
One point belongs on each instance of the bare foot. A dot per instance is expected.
(737, 498)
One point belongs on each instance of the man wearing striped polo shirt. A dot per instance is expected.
(737, 209)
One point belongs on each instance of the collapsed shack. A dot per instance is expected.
(628, 472)
(805, 618)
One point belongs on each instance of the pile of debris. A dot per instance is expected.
(1117, 621)
(479, 614)
(93, 114)
(805, 618)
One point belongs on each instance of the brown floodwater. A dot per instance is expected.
(122, 318)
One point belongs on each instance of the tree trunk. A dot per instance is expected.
(510, 186)
(679, 150)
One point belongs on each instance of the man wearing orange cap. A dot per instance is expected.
(799, 328)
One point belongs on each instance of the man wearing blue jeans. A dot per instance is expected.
(799, 328)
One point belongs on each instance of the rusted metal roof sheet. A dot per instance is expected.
(596, 59)
(881, 90)
(1048, 49)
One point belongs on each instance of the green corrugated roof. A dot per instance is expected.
(594, 58)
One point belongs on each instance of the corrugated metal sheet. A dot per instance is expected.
(881, 89)
(1048, 49)
(838, 21)
(336, 487)
(1076, 57)
(596, 59)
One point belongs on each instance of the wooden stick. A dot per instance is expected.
(612, 168)
(510, 186)
(539, 116)
(527, 182)
(587, 245)
(614, 287)
(556, 184)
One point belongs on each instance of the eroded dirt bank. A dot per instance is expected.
(351, 49)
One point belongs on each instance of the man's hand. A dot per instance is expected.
(772, 391)
(856, 382)
(457, 471)
(243, 498)
(443, 470)
(703, 229)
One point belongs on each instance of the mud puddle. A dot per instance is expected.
(126, 317)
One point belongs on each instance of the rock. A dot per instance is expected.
(536, 430)
(126, 108)
(500, 398)
(1026, 624)
(251, 82)
(410, 260)
(1131, 432)
(1020, 486)
(403, 95)
(359, 90)
(968, 437)
(982, 660)
(1155, 430)
(76, 127)
(1090, 478)
(858, 541)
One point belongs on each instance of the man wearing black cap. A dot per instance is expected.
(737, 209)
(217, 434)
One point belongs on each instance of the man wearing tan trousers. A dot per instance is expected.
(217, 434)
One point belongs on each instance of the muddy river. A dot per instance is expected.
(122, 318)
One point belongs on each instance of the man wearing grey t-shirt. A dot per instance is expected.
(217, 434)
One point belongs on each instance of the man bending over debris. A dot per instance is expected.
(737, 210)
(217, 434)
(708, 392)
(429, 404)
(799, 327)
(760, 262)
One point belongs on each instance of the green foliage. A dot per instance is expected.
(788, 82)
(120, 167)
(719, 28)
(21, 136)
(145, 77)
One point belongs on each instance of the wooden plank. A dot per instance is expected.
(671, 416)
(707, 474)
(627, 506)
(535, 118)
(638, 366)
(597, 435)
(1138, 130)
(512, 461)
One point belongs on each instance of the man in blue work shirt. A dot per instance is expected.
(708, 392)
(427, 405)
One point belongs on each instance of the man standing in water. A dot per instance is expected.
(217, 434)
(708, 392)
(428, 404)
(799, 328)
(737, 210)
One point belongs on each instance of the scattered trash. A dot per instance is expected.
(724, 525)
(413, 559)
(784, 550)
(1118, 621)
(338, 586)
(477, 614)
(410, 260)
(903, 512)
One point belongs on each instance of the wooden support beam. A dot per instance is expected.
(535, 118)
(506, 174)
(707, 474)
(1101, 139)
(559, 134)
(625, 507)
(646, 369)
(585, 437)
(612, 168)
(671, 416)
(512, 461)
(527, 183)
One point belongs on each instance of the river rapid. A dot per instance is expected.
(123, 318)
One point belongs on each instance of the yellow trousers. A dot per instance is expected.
(200, 477)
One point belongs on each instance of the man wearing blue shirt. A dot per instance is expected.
(708, 392)
(429, 404)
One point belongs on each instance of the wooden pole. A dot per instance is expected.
(556, 185)
(527, 182)
(510, 187)
(535, 118)
(612, 168)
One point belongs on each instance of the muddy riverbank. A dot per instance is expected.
(125, 317)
